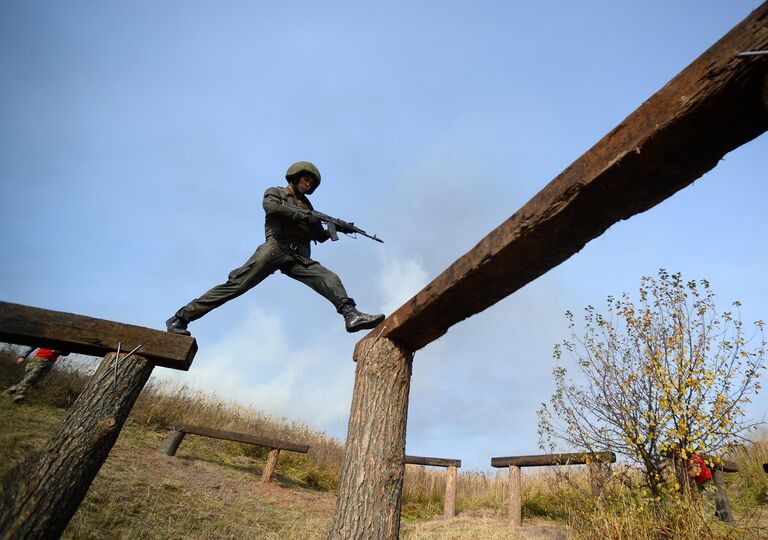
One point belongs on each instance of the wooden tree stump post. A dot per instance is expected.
(449, 506)
(371, 482)
(722, 505)
(599, 471)
(515, 490)
(171, 443)
(44, 491)
(269, 468)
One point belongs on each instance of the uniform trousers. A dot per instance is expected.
(267, 259)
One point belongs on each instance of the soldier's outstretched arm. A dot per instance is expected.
(273, 205)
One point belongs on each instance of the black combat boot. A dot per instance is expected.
(358, 321)
(177, 325)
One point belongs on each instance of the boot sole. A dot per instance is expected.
(366, 326)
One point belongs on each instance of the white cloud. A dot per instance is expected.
(258, 364)
(399, 280)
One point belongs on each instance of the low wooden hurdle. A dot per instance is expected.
(449, 500)
(595, 461)
(178, 432)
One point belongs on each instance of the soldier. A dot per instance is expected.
(288, 234)
(37, 369)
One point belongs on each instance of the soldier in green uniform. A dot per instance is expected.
(288, 235)
(38, 367)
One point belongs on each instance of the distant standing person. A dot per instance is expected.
(288, 234)
(38, 367)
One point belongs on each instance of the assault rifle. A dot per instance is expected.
(334, 224)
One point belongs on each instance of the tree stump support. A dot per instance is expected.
(515, 491)
(449, 506)
(44, 491)
(269, 468)
(599, 471)
(722, 505)
(371, 482)
(171, 443)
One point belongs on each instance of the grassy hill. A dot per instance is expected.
(213, 488)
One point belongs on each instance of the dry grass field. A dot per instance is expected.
(212, 488)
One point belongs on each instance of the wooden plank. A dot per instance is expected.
(37, 327)
(714, 105)
(542, 460)
(432, 461)
(240, 437)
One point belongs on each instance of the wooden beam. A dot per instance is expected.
(542, 460)
(241, 437)
(714, 105)
(432, 461)
(37, 327)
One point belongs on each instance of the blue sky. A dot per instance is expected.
(137, 140)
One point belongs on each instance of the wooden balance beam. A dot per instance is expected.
(595, 461)
(43, 492)
(449, 500)
(178, 432)
(711, 107)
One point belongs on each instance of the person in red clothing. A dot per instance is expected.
(37, 369)
(698, 470)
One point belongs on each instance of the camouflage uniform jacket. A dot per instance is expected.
(288, 227)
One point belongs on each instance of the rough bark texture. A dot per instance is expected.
(711, 107)
(371, 483)
(515, 496)
(36, 327)
(43, 492)
(171, 443)
(449, 506)
(269, 468)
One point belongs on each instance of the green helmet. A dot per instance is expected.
(304, 167)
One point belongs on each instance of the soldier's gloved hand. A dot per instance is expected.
(345, 229)
(313, 220)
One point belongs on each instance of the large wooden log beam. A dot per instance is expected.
(36, 327)
(714, 105)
